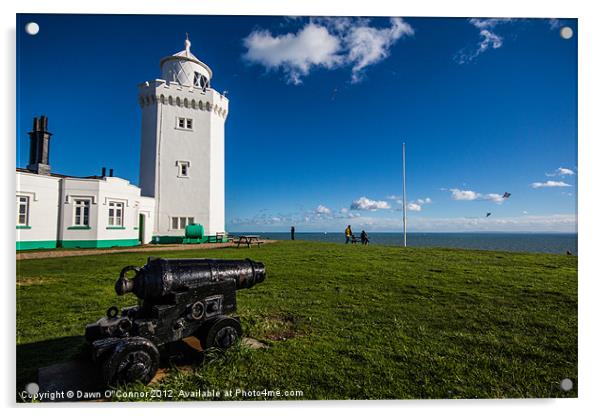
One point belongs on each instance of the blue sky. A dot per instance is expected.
(319, 109)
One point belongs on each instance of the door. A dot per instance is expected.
(141, 228)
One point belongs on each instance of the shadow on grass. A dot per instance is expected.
(34, 355)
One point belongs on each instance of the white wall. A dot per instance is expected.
(217, 210)
(101, 192)
(43, 193)
(201, 195)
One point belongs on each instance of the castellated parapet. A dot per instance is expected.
(174, 94)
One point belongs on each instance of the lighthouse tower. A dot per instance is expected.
(182, 147)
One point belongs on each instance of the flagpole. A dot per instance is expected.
(403, 151)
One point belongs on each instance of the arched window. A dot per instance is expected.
(178, 103)
(193, 104)
(162, 99)
(186, 102)
(208, 106)
(170, 100)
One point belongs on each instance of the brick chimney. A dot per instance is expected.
(39, 147)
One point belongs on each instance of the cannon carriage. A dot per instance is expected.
(178, 298)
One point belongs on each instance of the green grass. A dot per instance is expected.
(345, 322)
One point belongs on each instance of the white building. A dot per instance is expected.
(181, 173)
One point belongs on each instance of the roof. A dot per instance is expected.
(59, 175)
(187, 56)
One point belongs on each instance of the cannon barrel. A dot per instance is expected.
(161, 277)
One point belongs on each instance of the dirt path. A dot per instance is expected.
(96, 251)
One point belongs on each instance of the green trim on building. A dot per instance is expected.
(198, 240)
(23, 227)
(115, 228)
(99, 243)
(34, 245)
(79, 227)
(167, 239)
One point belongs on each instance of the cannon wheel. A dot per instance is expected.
(221, 333)
(133, 359)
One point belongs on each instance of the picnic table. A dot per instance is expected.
(248, 240)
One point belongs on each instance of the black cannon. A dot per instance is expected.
(178, 298)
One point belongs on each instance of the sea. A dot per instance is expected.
(558, 243)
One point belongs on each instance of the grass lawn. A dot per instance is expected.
(345, 322)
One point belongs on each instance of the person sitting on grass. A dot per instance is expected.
(348, 234)
(364, 237)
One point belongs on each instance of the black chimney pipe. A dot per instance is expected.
(39, 147)
(111, 172)
(104, 172)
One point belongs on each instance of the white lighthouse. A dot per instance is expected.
(182, 147)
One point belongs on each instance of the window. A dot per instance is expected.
(82, 212)
(184, 123)
(183, 169)
(22, 210)
(180, 223)
(201, 81)
(115, 214)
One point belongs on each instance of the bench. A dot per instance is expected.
(217, 238)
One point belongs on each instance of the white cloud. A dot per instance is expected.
(321, 209)
(488, 39)
(549, 184)
(497, 198)
(365, 204)
(296, 54)
(488, 23)
(327, 43)
(463, 195)
(467, 195)
(561, 172)
(367, 45)
(413, 206)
